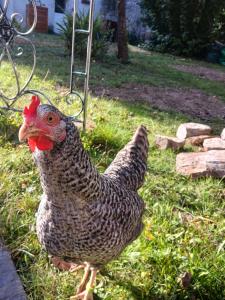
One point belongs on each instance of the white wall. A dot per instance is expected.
(53, 18)
(50, 4)
(20, 7)
(17, 6)
(10, 7)
(133, 12)
(84, 8)
(81, 8)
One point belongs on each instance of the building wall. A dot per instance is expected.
(133, 13)
(84, 8)
(16, 6)
(81, 9)
(50, 4)
(134, 23)
(20, 8)
(10, 6)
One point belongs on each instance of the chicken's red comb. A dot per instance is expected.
(31, 110)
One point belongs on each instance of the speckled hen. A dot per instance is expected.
(84, 217)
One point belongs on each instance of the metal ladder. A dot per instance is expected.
(77, 73)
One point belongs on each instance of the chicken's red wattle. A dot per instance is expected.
(41, 142)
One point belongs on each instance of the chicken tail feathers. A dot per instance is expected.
(130, 164)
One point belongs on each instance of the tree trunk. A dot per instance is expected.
(122, 32)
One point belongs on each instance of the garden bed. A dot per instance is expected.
(191, 102)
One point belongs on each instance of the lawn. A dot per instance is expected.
(184, 232)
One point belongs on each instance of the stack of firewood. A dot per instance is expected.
(208, 161)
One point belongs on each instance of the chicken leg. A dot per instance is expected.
(85, 289)
(66, 266)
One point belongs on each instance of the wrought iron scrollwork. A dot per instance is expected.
(9, 37)
(6, 31)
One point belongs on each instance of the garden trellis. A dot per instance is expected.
(10, 35)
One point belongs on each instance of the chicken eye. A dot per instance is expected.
(51, 119)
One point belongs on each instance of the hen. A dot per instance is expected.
(84, 217)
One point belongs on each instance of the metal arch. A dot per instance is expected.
(8, 36)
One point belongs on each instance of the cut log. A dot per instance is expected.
(223, 134)
(186, 130)
(191, 164)
(165, 142)
(199, 164)
(214, 144)
(197, 140)
(215, 163)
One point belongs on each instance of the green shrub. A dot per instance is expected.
(134, 39)
(183, 27)
(220, 27)
(100, 43)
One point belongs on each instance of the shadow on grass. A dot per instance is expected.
(136, 292)
(147, 68)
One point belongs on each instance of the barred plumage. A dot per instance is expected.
(130, 164)
(83, 215)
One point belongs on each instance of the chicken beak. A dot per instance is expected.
(27, 131)
(23, 132)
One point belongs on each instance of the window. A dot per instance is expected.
(60, 6)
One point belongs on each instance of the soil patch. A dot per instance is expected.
(187, 101)
(202, 72)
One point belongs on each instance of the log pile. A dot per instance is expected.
(197, 140)
(208, 161)
(199, 164)
(214, 144)
(165, 142)
(223, 134)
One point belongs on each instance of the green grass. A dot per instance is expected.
(170, 245)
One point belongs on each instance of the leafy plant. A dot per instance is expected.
(183, 27)
(134, 39)
(220, 27)
(100, 42)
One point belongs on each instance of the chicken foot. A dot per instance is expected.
(85, 289)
